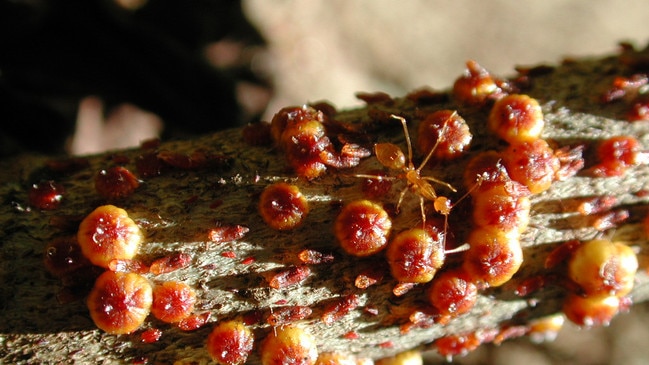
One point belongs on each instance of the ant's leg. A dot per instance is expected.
(423, 213)
(437, 181)
(401, 195)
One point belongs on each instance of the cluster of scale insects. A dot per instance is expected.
(599, 273)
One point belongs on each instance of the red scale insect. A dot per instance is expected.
(46, 195)
(170, 263)
(340, 308)
(414, 257)
(292, 276)
(173, 301)
(452, 293)
(476, 86)
(230, 343)
(618, 154)
(116, 182)
(300, 132)
(285, 315)
(120, 302)
(289, 345)
(282, 206)
(108, 233)
(362, 228)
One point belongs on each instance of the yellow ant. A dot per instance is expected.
(392, 157)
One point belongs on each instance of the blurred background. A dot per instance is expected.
(85, 76)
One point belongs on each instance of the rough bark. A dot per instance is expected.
(178, 208)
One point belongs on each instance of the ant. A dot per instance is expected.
(392, 157)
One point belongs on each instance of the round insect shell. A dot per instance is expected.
(503, 206)
(108, 233)
(475, 86)
(591, 311)
(446, 132)
(116, 182)
(546, 328)
(617, 154)
(412, 357)
(283, 206)
(63, 256)
(46, 195)
(120, 302)
(483, 170)
(230, 343)
(516, 118)
(173, 301)
(452, 293)
(362, 228)
(290, 116)
(335, 358)
(494, 256)
(304, 144)
(531, 163)
(414, 257)
(603, 268)
(289, 345)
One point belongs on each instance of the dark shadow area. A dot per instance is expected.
(53, 53)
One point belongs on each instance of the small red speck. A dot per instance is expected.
(120, 159)
(151, 335)
(292, 276)
(531, 285)
(125, 265)
(509, 332)
(561, 254)
(227, 233)
(374, 98)
(140, 360)
(194, 321)
(313, 257)
(285, 315)
(596, 204)
(340, 308)
(351, 335)
(608, 220)
(191, 200)
(229, 254)
(248, 260)
(625, 304)
(170, 263)
(426, 96)
(374, 188)
(281, 302)
(149, 144)
(371, 310)
(68, 165)
(386, 345)
(149, 165)
(642, 193)
(616, 155)
(402, 288)
(257, 134)
(215, 204)
(253, 317)
(63, 256)
(368, 278)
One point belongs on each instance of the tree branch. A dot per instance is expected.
(178, 209)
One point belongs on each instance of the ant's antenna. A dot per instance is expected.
(404, 124)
